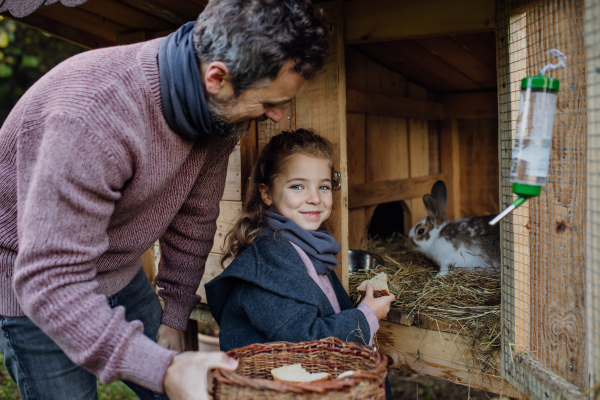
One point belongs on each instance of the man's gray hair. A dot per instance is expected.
(254, 38)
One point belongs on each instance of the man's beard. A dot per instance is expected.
(222, 125)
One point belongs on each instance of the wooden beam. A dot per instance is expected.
(438, 355)
(233, 183)
(374, 193)
(392, 106)
(321, 104)
(592, 298)
(63, 31)
(84, 20)
(450, 166)
(158, 10)
(385, 20)
(229, 211)
(125, 15)
(470, 105)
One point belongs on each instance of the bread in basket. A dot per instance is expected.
(253, 379)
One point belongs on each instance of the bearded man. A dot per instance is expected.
(111, 150)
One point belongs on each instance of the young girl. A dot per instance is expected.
(281, 284)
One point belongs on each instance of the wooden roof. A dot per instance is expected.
(101, 23)
(432, 43)
(442, 64)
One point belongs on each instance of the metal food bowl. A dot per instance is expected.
(360, 259)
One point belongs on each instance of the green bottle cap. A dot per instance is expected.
(524, 190)
(540, 82)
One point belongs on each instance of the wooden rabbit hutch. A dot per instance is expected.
(414, 92)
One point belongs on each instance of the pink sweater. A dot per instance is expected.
(325, 284)
(91, 175)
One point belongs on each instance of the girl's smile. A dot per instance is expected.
(302, 192)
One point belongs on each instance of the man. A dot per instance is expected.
(111, 150)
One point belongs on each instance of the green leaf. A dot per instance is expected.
(5, 71)
(29, 62)
(4, 41)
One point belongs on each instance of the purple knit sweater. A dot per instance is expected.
(90, 176)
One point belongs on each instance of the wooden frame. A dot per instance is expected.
(349, 118)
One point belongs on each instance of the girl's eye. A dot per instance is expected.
(297, 187)
(324, 187)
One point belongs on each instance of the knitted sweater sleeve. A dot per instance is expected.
(187, 242)
(68, 183)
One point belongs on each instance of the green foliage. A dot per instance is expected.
(26, 54)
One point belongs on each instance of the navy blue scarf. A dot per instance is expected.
(183, 102)
(320, 245)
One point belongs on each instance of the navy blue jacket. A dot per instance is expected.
(266, 295)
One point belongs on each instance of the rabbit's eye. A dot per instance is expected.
(421, 231)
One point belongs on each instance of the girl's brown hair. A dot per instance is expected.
(270, 163)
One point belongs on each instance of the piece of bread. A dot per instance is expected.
(345, 374)
(379, 283)
(295, 373)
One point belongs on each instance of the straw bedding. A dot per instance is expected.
(463, 301)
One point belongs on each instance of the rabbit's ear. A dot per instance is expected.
(438, 192)
(433, 209)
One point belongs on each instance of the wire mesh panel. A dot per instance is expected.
(547, 261)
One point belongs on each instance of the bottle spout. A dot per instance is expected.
(520, 200)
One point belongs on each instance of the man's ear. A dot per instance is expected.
(265, 194)
(215, 78)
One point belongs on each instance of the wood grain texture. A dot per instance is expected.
(148, 266)
(438, 355)
(386, 20)
(249, 155)
(557, 256)
(450, 166)
(478, 164)
(267, 129)
(373, 193)
(592, 297)
(158, 10)
(387, 149)
(212, 269)
(63, 31)
(356, 147)
(470, 105)
(418, 149)
(321, 105)
(393, 106)
(126, 15)
(233, 183)
(229, 211)
(460, 58)
(83, 20)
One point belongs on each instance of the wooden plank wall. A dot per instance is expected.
(383, 148)
(391, 151)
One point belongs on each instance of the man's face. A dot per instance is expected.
(231, 116)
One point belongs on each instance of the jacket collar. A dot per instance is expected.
(273, 264)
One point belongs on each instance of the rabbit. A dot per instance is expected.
(465, 243)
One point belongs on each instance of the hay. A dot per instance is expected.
(467, 301)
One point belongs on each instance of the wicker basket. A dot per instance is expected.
(253, 380)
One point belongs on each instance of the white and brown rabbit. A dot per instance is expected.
(464, 243)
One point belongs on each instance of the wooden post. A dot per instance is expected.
(450, 165)
(521, 256)
(592, 298)
(321, 105)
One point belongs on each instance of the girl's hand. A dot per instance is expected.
(381, 305)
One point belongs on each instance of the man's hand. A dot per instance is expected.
(187, 375)
(170, 338)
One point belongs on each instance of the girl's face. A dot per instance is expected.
(302, 192)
